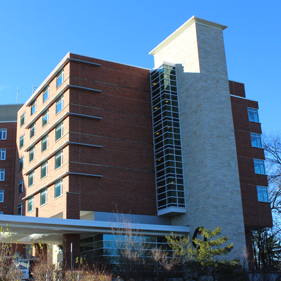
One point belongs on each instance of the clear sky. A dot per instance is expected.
(36, 35)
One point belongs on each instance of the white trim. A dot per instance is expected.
(242, 98)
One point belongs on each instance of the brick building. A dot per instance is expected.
(172, 148)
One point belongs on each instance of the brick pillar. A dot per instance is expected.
(248, 234)
(72, 207)
(67, 240)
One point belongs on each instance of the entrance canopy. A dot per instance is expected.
(29, 230)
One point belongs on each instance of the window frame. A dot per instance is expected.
(2, 174)
(32, 153)
(255, 116)
(59, 155)
(44, 166)
(31, 176)
(263, 192)
(259, 167)
(33, 107)
(45, 139)
(256, 138)
(30, 200)
(60, 75)
(3, 153)
(45, 194)
(2, 196)
(59, 101)
(22, 187)
(21, 144)
(45, 114)
(47, 90)
(3, 133)
(58, 184)
(32, 129)
(21, 163)
(59, 127)
(19, 207)
(22, 119)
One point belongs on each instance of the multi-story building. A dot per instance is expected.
(174, 148)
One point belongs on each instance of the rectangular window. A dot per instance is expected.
(45, 118)
(59, 131)
(43, 197)
(44, 169)
(58, 188)
(20, 187)
(59, 105)
(46, 94)
(259, 166)
(20, 164)
(31, 179)
(256, 140)
(32, 130)
(60, 78)
(31, 154)
(21, 141)
(2, 174)
(2, 153)
(1, 195)
(22, 119)
(262, 193)
(33, 107)
(45, 143)
(19, 211)
(253, 115)
(3, 134)
(58, 160)
(30, 204)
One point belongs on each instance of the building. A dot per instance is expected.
(173, 148)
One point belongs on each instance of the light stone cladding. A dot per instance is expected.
(212, 188)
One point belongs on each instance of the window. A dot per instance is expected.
(21, 141)
(30, 204)
(44, 169)
(33, 107)
(2, 174)
(256, 140)
(31, 154)
(58, 161)
(45, 118)
(259, 166)
(1, 195)
(3, 134)
(59, 105)
(19, 212)
(22, 119)
(253, 114)
(43, 197)
(1, 213)
(2, 153)
(58, 188)
(32, 130)
(20, 187)
(262, 193)
(20, 164)
(60, 78)
(31, 179)
(59, 131)
(45, 143)
(46, 94)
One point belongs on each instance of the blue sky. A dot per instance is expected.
(36, 35)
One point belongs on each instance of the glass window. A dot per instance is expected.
(33, 108)
(256, 140)
(59, 131)
(262, 193)
(21, 141)
(30, 204)
(20, 186)
(31, 154)
(45, 118)
(253, 114)
(46, 94)
(2, 174)
(259, 166)
(31, 179)
(58, 160)
(45, 143)
(3, 134)
(1, 195)
(19, 212)
(44, 169)
(22, 119)
(21, 164)
(43, 197)
(2, 153)
(59, 104)
(60, 78)
(58, 188)
(32, 130)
